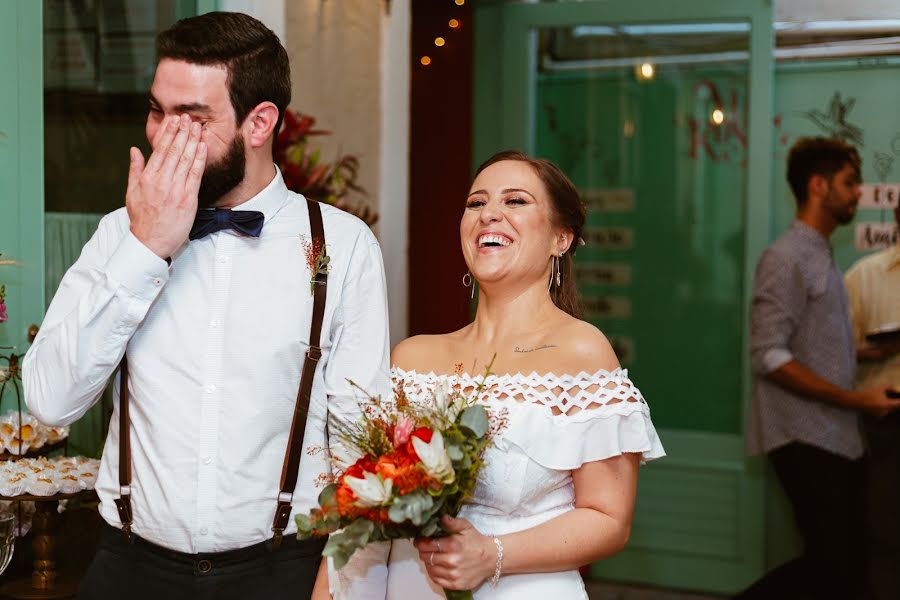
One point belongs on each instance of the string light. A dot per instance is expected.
(454, 24)
(460, 2)
(425, 60)
(644, 71)
(717, 117)
(439, 41)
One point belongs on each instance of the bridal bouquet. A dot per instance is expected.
(412, 464)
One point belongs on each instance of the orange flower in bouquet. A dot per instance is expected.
(411, 465)
(305, 172)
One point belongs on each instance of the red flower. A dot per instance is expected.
(424, 434)
(403, 469)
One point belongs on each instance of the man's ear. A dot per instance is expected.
(260, 124)
(818, 186)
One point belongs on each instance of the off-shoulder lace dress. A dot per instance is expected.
(554, 424)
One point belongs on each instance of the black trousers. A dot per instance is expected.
(143, 571)
(826, 493)
(883, 505)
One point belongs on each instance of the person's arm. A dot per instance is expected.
(106, 294)
(320, 590)
(359, 354)
(779, 302)
(597, 528)
(800, 380)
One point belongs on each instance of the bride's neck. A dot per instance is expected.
(512, 314)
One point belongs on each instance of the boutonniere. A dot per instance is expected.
(317, 261)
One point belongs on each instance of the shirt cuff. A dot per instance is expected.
(776, 358)
(141, 272)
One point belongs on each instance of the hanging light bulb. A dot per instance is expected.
(717, 117)
(644, 71)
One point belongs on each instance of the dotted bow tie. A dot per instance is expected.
(210, 220)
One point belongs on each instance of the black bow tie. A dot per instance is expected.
(210, 220)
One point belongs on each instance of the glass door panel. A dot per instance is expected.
(650, 122)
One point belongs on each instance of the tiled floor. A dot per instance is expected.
(599, 590)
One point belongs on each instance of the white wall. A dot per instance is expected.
(355, 80)
(270, 12)
(835, 10)
(393, 192)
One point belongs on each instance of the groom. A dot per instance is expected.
(216, 317)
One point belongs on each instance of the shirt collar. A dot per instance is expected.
(270, 199)
(811, 236)
(893, 257)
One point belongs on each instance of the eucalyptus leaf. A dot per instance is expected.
(328, 497)
(475, 420)
(415, 507)
(454, 452)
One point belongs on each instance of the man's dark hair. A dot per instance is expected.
(257, 64)
(818, 156)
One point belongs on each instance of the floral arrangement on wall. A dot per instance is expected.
(306, 172)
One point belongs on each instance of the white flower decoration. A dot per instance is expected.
(371, 491)
(435, 459)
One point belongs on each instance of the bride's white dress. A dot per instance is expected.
(527, 476)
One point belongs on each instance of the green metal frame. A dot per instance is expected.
(503, 102)
(21, 167)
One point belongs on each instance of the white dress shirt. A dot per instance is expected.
(215, 348)
(873, 284)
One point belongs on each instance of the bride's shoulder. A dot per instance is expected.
(586, 348)
(420, 352)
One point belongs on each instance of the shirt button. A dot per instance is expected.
(157, 281)
(209, 389)
(214, 323)
(204, 531)
(207, 460)
(223, 259)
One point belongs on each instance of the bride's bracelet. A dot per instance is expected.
(499, 568)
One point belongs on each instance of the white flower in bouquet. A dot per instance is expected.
(445, 401)
(372, 490)
(435, 459)
(344, 455)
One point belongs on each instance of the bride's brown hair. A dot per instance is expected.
(567, 212)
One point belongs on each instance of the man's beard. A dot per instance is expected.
(221, 177)
(843, 213)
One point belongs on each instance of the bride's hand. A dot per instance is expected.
(461, 561)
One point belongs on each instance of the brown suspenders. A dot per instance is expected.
(294, 449)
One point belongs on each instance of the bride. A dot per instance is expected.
(558, 487)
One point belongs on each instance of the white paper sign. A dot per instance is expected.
(606, 307)
(603, 273)
(879, 195)
(610, 238)
(875, 236)
(617, 200)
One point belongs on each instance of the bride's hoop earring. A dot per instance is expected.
(553, 268)
(558, 276)
(467, 282)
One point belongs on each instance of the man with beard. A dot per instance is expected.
(804, 413)
(213, 312)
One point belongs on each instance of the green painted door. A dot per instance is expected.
(660, 113)
(21, 175)
(75, 79)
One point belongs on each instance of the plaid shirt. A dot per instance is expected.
(800, 311)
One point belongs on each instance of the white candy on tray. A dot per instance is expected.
(48, 476)
(32, 433)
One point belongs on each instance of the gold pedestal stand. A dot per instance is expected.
(44, 583)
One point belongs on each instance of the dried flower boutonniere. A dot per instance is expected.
(317, 260)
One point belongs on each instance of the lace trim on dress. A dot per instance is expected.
(563, 395)
(579, 418)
